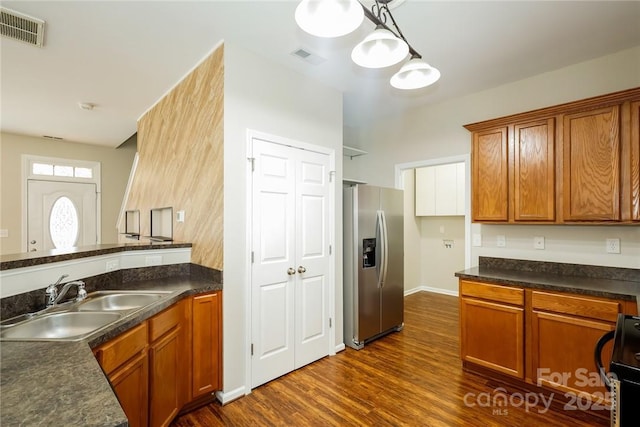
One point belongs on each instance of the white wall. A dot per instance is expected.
(438, 263)
(265, 97)
(412, 240)
(437, 131)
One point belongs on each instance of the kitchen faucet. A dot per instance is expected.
(54, 296)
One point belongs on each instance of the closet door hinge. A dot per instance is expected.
(329, 322)
(331, 175)
(252, 349)
(252, 254)
(330, 249)
(253, 163)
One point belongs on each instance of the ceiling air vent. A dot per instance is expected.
(307, 56)
(18, 26)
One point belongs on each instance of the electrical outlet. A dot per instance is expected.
(613, 246)
(476, 239)
(153, 260)
(501, 241)
(538, 242)
(112, 265)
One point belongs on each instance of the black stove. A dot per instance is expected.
(625, 371)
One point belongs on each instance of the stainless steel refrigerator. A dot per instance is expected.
(373, 263)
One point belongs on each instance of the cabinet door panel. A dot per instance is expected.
(164, 379)
(425, 188)
(490, 175)
(492, 335)
(635, 161)
(534, 171)
(206, 324)
(446, 194)
(592, 165)
(130, 386)
(562, 351)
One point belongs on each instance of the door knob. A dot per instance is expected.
(33, 242)
(291, 271)
(301, 269)
(33, 250)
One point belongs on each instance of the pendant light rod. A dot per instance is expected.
(384, 10)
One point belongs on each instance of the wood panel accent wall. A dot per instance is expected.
(180, 147)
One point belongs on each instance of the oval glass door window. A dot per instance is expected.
(63, 223)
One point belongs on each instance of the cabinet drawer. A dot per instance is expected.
(499, 293)
(576, 305)
(163, 322)
(122, 348)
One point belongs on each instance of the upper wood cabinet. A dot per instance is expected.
(534, 171)
(571, 163)
(489, 175)
(634, 192)
(592, 165)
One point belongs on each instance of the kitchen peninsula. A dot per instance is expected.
(67, 382)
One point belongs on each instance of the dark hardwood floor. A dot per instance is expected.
(408, 378)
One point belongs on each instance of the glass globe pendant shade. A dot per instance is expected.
(329, 18)
(379, 49)
(415, 74)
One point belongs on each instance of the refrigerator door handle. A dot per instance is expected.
(384, 250)
(380, 232)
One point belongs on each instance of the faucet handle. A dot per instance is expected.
(82, 292)
(52, 290)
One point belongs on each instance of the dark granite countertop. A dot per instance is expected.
(607, 288)
(61, 383)
(29, 259)
(607, 282)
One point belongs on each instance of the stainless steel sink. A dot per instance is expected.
(73, 321)
(59, 326)
(119, 300)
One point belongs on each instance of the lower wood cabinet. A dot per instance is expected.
(207, 344)
(544, 338)
(166, 369)
(564, 332)
(130, 385)
(162, 365)
(492, 327)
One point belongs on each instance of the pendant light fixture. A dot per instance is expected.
(384, 47)
(380, 49)
(415, 74)
(329, 18)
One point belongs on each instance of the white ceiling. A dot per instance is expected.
(124, 55)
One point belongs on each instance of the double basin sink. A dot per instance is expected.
(77, 320)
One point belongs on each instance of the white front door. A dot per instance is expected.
(60, 215)
(290, 270)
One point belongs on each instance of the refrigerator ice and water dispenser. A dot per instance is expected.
(368, 253)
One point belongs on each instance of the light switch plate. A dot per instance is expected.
(476, 239)
(501, 241)
(180, 216)
(4, 232)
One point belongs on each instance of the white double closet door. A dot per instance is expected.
(290, 269)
